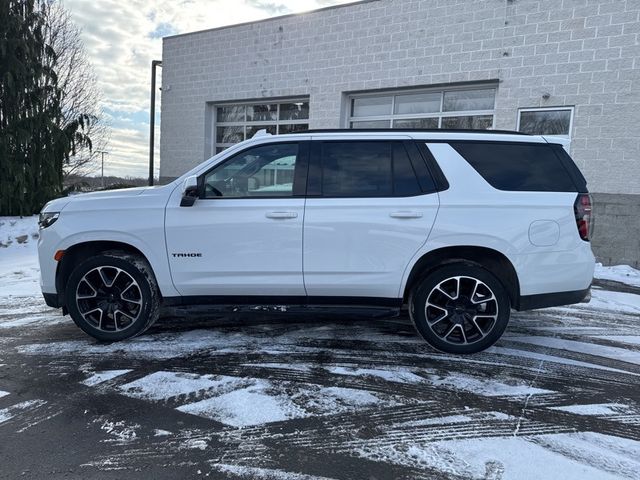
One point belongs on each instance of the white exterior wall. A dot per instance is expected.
(582, 53)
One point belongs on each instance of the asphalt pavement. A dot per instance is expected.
(278, 395)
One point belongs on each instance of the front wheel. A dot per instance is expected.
(460, 308)
(113, 296)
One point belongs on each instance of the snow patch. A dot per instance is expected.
(596, 409)
(100, 377)
(583, 347)
(449, 419)
(263, 473)
(487, 387)
(612, 301)
(195, 444)
(121, 432)
(299, 367)
(10, 412)
(631, 339)
(244, 407)
(551, 358)
(618, 273)
(400, 375)
(164, 385)
(509, 458)
(35, 320)
(265, 401)
(3, 393)
(19, 268)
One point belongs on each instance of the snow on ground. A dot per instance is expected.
(19, 268)
(556, 397)
(101, 377)
(262, 473)
(233, 400)
(584, 347)
(164, 385)
(602, 409)
(618, 273)
(515, 458)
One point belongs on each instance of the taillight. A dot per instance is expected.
(583, 209)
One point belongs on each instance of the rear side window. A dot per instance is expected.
(578, 179)
(405, 182)
(530, 167)
(367, 169)
(356, 169)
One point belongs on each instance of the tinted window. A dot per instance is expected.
(578, 179)
(265, 171)
(405, 183)
(356, 169)
(517, 166)
(370, 169)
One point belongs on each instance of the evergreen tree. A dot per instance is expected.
(33, 141)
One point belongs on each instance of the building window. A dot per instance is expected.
(237, 122)
(454, 108)
(546, 121)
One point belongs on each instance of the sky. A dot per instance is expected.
(122, 37)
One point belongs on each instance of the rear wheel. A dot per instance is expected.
(113, 296)
(460, 308)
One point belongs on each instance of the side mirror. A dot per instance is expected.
(189, 191)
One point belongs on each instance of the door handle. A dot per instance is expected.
(282, 215)
(406, 214)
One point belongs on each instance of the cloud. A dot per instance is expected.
(122, 38)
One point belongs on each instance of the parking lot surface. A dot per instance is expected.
(277, 395)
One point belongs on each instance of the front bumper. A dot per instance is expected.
(53, 300)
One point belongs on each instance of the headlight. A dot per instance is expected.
(47, 219)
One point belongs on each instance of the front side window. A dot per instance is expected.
(264, 171)
(453, 108)
(546, 121)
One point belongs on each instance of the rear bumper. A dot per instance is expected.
(543, 300)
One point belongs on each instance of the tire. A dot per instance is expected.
(448, 310)
(113, 296)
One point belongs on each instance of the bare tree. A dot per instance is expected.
(78, 83)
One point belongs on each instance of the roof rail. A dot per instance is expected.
(418, 130)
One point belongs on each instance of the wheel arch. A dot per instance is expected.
(489, 259)
(81, 251)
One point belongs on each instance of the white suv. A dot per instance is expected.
(461, 226)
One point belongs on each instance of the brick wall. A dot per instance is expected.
(576, 52)
(617, 229)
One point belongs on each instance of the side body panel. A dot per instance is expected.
(241, 250)
(361, 246)
(134, 218)
(473, 213)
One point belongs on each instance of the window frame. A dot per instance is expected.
(349, 118)
(244, 123)
(570, 108)
(315, 170)
(300, 172)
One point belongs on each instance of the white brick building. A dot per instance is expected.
(569, 67)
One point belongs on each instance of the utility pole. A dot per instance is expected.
(102, 152)
(152, 119)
